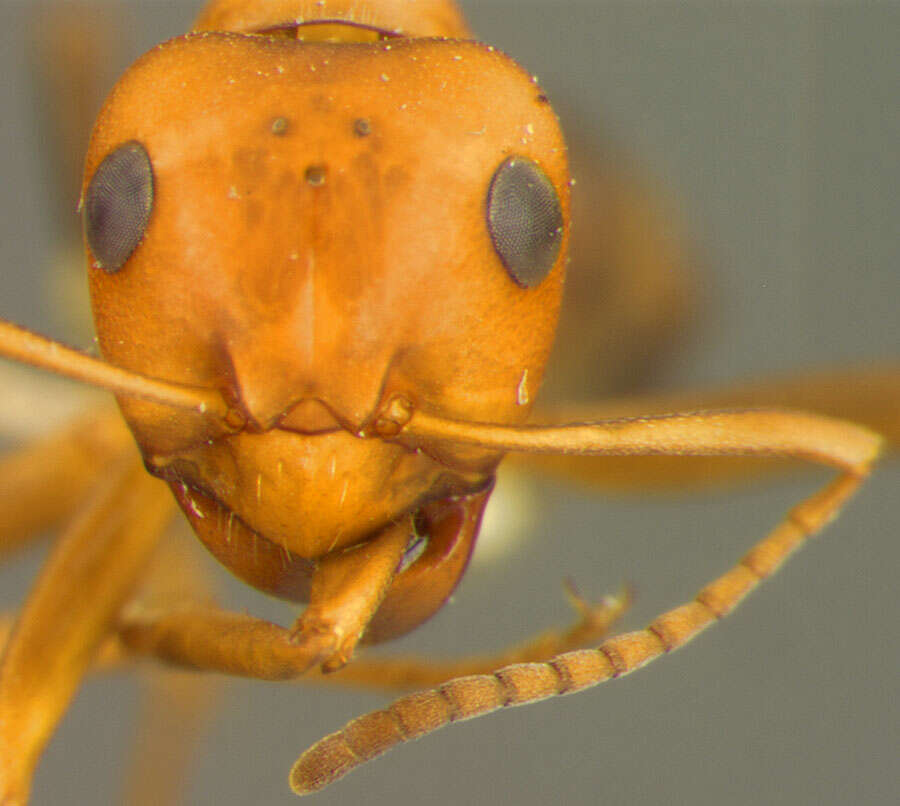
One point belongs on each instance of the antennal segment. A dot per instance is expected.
(753, 432)
(22, 345)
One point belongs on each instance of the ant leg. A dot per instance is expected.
(209, 639)
(347, 588)
(103, 552)
(42, 484)
(404, 673)
(176, 705)
(110, 656)
(7, 621)
(261, 649)
(36, 403)
(175, 711)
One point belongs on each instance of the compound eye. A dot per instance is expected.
(525, 220)
(117, 205)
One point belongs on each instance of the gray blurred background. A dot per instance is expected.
(774, 129)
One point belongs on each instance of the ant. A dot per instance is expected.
(389, 422)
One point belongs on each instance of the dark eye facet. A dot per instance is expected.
(525, 220)
(117, 205)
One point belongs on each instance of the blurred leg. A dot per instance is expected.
(91, 572)
(44, 482)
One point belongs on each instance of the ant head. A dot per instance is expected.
(291, 222)
(316, 230)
